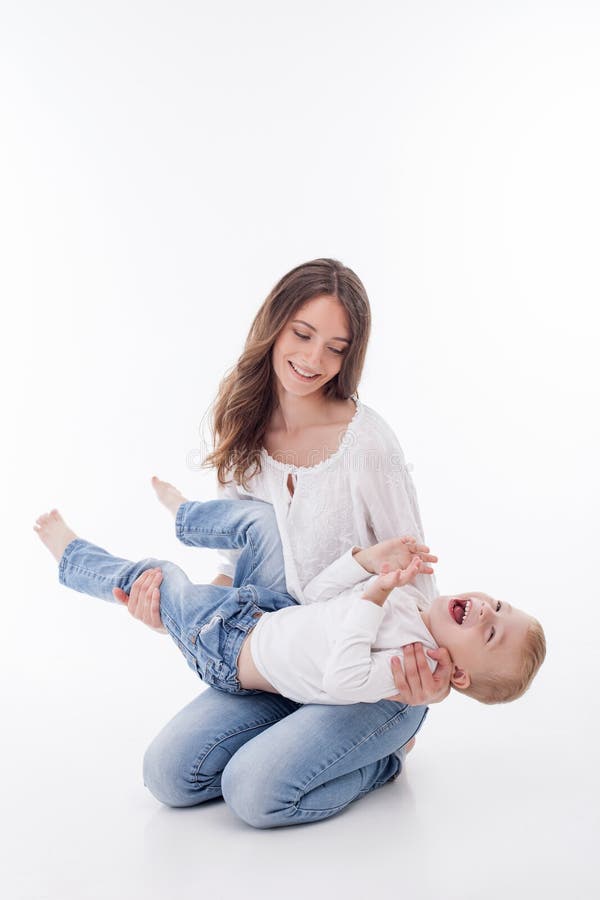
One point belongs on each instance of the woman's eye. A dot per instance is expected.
(335, 350)
(305, 337)
(492, 633)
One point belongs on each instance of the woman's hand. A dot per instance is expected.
(398, 552)
(143, 602)
(417, 685)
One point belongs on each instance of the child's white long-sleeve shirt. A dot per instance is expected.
(340, 651)
(360, 495)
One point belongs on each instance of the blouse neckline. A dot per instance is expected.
(346, 440)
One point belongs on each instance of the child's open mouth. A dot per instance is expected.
(459, 609)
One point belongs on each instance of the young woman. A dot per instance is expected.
(290, 430)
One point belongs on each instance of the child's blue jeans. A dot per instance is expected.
(275, 762)
(208, 623)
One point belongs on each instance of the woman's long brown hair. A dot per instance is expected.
(247, 397)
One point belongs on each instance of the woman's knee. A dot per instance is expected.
(253, 791)
(166, 777)
(183, 765)
(180, 769)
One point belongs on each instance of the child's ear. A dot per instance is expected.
(460, 679)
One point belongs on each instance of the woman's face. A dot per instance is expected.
(311, 347)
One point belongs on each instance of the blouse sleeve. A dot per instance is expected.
(389, 499)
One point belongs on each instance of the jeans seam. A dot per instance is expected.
(340, 807)
(89, 574)
(385, 726)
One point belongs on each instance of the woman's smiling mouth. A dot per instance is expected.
(301, 373)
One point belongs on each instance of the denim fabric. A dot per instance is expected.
(208, 623)
(277, 763)
(246, 525)
(274, 762)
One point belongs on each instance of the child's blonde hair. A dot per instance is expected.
(495, 688)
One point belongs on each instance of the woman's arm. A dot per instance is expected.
(391, 508)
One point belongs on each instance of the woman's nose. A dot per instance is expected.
(313, 357)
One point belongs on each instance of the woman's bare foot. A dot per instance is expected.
(168, 495)
(54, 532)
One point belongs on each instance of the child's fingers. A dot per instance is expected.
(405, 575)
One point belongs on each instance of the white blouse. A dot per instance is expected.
(358, 496)
(339, 651)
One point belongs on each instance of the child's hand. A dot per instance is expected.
(378, 591)
(398, 552)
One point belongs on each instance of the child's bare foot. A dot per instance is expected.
(168, 495)
(408, 747)
(54, 532)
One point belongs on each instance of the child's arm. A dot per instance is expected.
(356, 565)
(354, 674)
(342, 574)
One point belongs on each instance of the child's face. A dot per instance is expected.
(481, 634)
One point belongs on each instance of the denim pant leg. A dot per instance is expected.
(313, 763)
(207, 622)
(246, 525)
(184, 763)
(89, 569)
(276, 777)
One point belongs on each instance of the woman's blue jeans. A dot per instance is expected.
(274, 761)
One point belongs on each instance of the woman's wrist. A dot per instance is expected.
(362, 558)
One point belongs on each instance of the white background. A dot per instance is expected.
(162, 164)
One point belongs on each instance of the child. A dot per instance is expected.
(248, 638)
